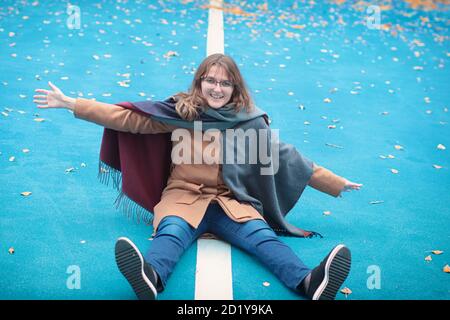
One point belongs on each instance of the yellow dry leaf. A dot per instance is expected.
(346, 291)
(170, 53)
(446, 268)
(437, 252)
(26, 193)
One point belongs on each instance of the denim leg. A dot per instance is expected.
(173, 237)
(258, 238)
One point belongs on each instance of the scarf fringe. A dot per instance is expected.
(130, 208)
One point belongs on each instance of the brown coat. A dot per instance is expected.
(191, 187)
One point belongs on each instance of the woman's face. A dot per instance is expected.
(217, 87)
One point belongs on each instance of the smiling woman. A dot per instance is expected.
(236, 202)
(217, 82)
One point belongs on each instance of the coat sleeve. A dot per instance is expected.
(326, 181)
(118, 118)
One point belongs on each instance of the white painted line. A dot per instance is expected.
(215, 39)
(213, 280)
(213, 277)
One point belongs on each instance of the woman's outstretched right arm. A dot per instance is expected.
(107, 115)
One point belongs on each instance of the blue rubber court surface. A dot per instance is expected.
(369, 103)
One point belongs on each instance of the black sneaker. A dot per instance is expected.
(327, 278)
(139, 274)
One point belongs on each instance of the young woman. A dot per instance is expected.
(233, 201)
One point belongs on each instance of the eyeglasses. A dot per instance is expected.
(213, 82)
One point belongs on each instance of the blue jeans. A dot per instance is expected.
(174, 236)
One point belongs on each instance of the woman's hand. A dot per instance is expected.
(349, 186)
(53, 98)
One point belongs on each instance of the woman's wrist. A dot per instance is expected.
(69, 103)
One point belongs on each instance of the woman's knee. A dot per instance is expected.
(175, 227)
(259, 232)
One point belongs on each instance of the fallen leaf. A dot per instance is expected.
(11, 250)
(398, 147)
(326, 213)
(39, 119)
(331, 126)
(437, 166)
(346, 291)
(334, 145)
(71, 169)
(395, 171)
(428, 258)
(446, 268)
(441, 147)
(11, 159)
(266, 284)
(437, 252)
(25, 150)
(26, 193)
(170, 53)
(327, 100)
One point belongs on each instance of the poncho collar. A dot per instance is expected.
(221, 119)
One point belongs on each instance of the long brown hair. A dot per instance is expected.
(189, 104)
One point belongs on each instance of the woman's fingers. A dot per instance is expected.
(352, 186)
(55, 88)
(42, 91)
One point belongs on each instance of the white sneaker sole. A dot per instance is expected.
(131, 265)
(337, 268)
